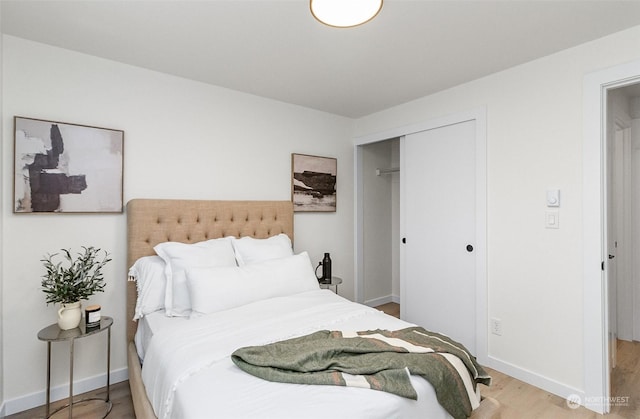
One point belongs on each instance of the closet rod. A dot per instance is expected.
(387, 171)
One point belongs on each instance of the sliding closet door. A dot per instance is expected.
(438, 221)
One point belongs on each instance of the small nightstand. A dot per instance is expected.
(335, 281)
(53, 333)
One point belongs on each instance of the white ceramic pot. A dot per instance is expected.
(69, 315)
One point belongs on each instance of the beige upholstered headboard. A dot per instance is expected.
(153, 221)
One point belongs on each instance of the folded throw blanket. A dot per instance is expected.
(376, 359)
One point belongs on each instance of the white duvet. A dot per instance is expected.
(188, 372)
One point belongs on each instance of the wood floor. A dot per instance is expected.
(391, 309)
(119, 395)
(518, 400)
(523, 401)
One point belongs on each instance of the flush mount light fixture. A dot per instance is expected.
(345, 13)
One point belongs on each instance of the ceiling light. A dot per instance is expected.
(345, 13)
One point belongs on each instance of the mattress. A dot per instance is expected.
(188, 372)
(146, 327)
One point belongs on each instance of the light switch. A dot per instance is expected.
(553, 197)
(552, 219)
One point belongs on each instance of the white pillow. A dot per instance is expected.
(180, 257)
(251, 250)
(148, 272)
(217, 289)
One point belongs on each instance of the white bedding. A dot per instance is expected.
(149, 324)
(188, 372)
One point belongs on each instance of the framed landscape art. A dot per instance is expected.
(313, 183)
(66, 168)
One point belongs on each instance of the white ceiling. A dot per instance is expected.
(277, 50)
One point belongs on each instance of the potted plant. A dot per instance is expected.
(77, 280)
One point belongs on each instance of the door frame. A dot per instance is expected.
(479, 115)
(595, 306)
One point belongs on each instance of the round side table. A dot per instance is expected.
(335, 281)
(53, 333)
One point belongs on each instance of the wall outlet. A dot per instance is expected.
(496, 326)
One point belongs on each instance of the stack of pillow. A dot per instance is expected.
(188, 280)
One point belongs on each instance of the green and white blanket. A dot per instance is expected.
(377, 359)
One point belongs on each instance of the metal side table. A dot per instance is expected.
(334, 282)
(53, 333)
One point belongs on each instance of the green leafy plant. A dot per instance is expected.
(78, 280)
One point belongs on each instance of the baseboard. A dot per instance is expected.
(383, 300)
(2, 409)
(537, 380)
(39, 398)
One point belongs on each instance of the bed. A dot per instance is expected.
(188, 371)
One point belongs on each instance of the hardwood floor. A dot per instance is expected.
(523, 401)
(119, 395)
(392, 309)
(518, 400)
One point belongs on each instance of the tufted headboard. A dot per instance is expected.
(153, 221)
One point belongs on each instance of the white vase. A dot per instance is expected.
(69, 315)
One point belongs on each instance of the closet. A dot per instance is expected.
(381, 222)
(421, 225)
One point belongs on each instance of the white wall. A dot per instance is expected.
(635, 210)
(534, 134)
(2, 209)
(183, 139)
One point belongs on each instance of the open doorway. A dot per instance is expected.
(623, 233)
(598, 296)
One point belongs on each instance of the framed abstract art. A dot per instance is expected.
(67, 168)
(313, 183)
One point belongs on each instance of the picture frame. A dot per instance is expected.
(313, 183)
(62, 167)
